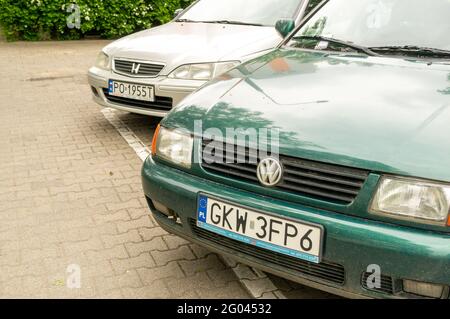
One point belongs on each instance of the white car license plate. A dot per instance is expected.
(278, 234)
(132, 91)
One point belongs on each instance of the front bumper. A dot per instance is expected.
(353, 243)
(174, 89)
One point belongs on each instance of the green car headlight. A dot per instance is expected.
(203, 72)
(426, 202)
(103, 61)
(174, 146)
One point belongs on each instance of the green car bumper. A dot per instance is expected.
(351, 244)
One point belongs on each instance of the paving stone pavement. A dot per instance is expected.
(70, 192)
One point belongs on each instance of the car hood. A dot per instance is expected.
(382, 114)
(175, 44)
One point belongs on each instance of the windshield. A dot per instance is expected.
(260, 12)
(406, 24)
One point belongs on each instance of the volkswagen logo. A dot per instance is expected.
(269, 172)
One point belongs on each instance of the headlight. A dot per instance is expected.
(409, 198)
(173, 146)
(103, 61)
(204, 72)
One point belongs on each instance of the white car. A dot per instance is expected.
(151, 71)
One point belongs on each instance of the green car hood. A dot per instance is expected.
(386, 115)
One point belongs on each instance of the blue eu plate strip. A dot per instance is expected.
(202, 208)
(110, 86)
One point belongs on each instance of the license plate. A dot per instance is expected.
(132, 91)
(286, 236)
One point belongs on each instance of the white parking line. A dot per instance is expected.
(135, 143)
(258, 285)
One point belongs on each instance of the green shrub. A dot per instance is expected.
(47, 19)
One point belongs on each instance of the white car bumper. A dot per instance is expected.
(168, 92)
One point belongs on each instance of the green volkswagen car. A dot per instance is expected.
(325, 161)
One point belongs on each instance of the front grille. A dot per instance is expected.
(143, 69)
(324, 271)
(387, 284)
(161, 103)
(328, 182)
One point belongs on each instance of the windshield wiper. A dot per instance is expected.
(413, 50)
(234, 22)
(347, 44)
(187, 20)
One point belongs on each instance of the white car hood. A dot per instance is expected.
(175, 44)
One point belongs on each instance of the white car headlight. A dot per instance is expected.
(103, 61)
(204, 71)
(173, 146)
(424, 201)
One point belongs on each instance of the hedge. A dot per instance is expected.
(47, 19)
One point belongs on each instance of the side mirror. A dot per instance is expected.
(285, 26)
(177, 13)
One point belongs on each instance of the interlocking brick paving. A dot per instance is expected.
(70, 193)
